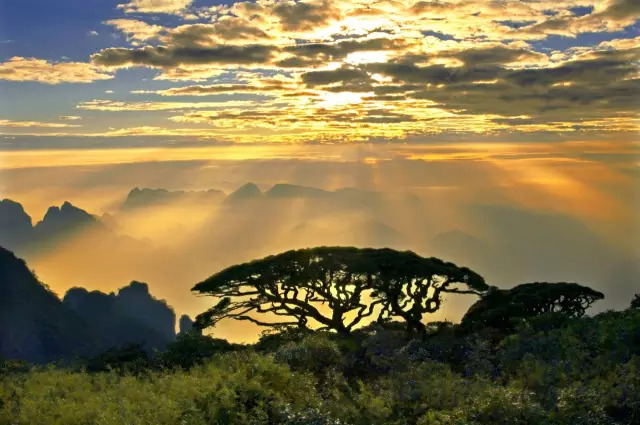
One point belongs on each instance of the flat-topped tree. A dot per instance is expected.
(334, 287)
(504, 308)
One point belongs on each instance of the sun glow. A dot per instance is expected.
(331, 100)
(360, 58)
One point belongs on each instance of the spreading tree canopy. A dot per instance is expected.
(503, 308)
(335, 287)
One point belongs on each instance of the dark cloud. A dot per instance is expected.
(496, 55)
(602, 84)
(318, 53)
(435, 74)
(200, 90)
(342, 75)
(621, 9)
(305, 16)
(167, 57)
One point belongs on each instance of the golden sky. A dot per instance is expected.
(319, 71)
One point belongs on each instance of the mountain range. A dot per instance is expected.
(36, 326)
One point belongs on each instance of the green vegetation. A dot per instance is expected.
(552, 370)
(528, 355)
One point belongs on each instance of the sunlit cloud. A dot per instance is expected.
(42, 71)
(30, 124)
(155, 6)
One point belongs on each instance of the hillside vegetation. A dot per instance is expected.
(526, 355)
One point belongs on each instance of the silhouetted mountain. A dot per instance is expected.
(148, 197)
(63, 221)
(34, 324)
(131, 316)
(19, 235)
(291, 190)
(15, 223)
(186, 324)
(37, 327)
(247, 191)
(135, 301)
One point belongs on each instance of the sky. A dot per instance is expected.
(185, 71)
(502, 135)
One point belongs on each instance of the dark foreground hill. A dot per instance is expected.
(36, 326)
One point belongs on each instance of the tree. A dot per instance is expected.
(635, 302)
(335, 287)
(411, 286)
(503, 308)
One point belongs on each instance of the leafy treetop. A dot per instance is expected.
(502, 308)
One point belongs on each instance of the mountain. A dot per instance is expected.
(291, 191)
(64, 221)
(130, 316)
(34, 324)
(19, 235)
(247, 191)
(148, 197)
(15, 223)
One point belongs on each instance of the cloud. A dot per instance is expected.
(41, 71)
(110, 105)
(264, 86)
(305, 15)
(155, 6)
(168, 57)
(30, 124)
(69, 117)
(207, 35)
(136, 30)
(343, 70)
(343, 75)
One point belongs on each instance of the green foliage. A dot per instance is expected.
(127, 359)
(635, 302)
(505, 309)
(550, 370)
(235, 389)
(315, 353)
(192, 348)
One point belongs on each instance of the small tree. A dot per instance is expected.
(635, 302)
(503, 308)
(335, 287)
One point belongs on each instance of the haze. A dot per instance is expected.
(500, 135)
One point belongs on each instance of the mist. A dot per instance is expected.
(514, 219)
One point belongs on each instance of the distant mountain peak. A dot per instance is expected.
(64, 219)
(292, 190)
(246, 191)
(138, 197)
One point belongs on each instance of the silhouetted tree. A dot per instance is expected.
(410, 286)
(635, 302)
(336, 287)
(503, 308)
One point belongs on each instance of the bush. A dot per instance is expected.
(192, 348)
(315, 353)
(127, 359)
